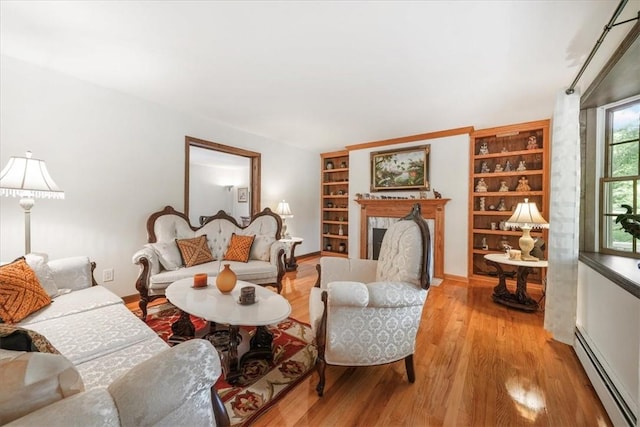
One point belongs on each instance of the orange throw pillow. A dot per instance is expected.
(239, 248)
(20, 292)
(194, 251)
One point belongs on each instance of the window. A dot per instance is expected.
(620, 184)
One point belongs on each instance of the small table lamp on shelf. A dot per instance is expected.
(284, 211)
(28, 179)
(527, 216)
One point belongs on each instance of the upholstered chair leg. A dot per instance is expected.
(320, 365)
(143, 307)
(219, 410)
(408, 363)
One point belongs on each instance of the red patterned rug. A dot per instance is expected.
(263, 382)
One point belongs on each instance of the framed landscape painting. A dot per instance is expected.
(402, 169)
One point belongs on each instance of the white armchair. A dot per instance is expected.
(367, 312)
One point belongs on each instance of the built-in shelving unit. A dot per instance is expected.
(334, 226)
(504, 158)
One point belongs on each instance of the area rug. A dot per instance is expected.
(263, 383)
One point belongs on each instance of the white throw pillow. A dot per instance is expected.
(261, 248)
(169, 254)
(39, 264)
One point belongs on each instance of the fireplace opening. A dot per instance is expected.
(377, 236)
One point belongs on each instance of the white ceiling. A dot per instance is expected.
(324, 74)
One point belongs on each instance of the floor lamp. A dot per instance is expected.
(28, 179)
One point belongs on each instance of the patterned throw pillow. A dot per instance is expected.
(194, 251)
(20, 292)
(239, 248)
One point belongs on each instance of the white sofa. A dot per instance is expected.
(130, 375)
(160, 262)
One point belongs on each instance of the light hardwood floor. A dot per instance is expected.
(477, 364)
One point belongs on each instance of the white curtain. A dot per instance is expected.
(562, 275)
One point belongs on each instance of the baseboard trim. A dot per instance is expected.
(617, 408)
(456, 278)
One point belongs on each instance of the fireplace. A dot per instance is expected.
(377, 234)
(381, 213)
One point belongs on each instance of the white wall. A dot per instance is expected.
(609, 318)
(118, 159)
(449, 175)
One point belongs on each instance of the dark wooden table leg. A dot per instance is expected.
(500, 290)
(520, 299)
(291, 262)
(183, 329)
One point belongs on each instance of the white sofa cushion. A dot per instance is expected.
(94, 333)
(72, 303)
(253, 270)
(103, 370)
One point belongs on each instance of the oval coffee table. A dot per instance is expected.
(224, 309)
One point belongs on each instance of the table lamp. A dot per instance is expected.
(284, 211)
(527, 216)
(28, 179)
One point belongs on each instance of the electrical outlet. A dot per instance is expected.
(107, 275)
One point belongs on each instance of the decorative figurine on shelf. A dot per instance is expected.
(484, 148)
(483, 201)
(340, 231)
(523, 184)
(437, 195)
(532, 143)
(481, 187)
(504, 243)
(343, 165)
(503, 225)
(522, 166)
(498, 168)
(503, 186)
(329, 164)
(507, 167)
(504, 150)
(502, 205)
(484, 168)
(484, 244)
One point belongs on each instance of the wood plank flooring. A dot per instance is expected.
(477, 364)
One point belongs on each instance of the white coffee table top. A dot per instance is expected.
(211, 304)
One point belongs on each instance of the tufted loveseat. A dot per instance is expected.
(160, 262)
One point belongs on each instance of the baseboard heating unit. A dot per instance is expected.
(611, 397)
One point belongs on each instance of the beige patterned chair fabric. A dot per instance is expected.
(372, 313)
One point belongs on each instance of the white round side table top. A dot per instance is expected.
(211, 304)
(503, 258)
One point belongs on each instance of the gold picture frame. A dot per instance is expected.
(402, 169)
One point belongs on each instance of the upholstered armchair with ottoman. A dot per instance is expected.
(367, 312)
(178, 250)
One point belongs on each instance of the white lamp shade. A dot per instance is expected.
(27, 177)
(527, 215)
(284, 210)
